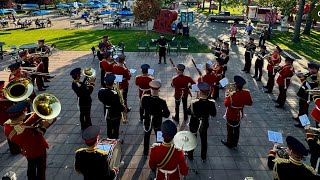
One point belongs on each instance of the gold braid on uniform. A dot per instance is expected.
(275, 167)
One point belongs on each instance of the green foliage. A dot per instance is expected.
(307, 47)
(285, 6)
(83, 40)
(147, 10)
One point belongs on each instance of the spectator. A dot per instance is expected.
(233, 32)
(180, 26)
(125, 8)
(174, 27)
(249, 29)
(49, 22)
(117, 22)
(263, 36)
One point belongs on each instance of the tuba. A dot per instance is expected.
(47, 107)
(18, 89)
(124, 117)
(90, 73)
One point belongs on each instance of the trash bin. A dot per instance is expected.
(185, 31)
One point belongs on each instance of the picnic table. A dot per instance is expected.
(126, 24)
(1, 49)
(107, 24)
(4, 23)
(28, 46)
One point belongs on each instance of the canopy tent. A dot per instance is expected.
(96, 6)
(89, 3)
(4, 11)
(72, 4)
(106, 12)
(31, 6)
(41, 12)
(63, 5)
(125, 13)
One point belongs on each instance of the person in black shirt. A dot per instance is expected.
(293, 167)
(112, 106)
(162, 47)
(154, 108)
(44, 49)
(259, 63)
(314, 146)
(200, 109)
(91, 162)
(248, 55)
(83, 92)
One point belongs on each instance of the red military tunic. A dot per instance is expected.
(120, 70)
(210, 78)
(235, 103)
(315, 113)
(218, 71)
(177, 163)
(4, 105)
(285, 74)
(181, 85)
(106, 66)
(142, 81)
(108, 45)
(30, 140)
(20, 74)
(274, 60)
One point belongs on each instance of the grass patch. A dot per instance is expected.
(307, 47)
(83, 40)
(232, 10)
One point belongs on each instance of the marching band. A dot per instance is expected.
(165, 155)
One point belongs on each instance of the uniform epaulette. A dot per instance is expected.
(310, 168)
(281, 160)
(155, 145)
(246, 90)
(194, 100)
(81, 149)
(102, 152)
(212, 100)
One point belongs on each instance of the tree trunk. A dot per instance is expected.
(307, 28)
(210, 7)
(247, 8)
(203, 2)
(147, 28)
(296, 34)
(220, 2)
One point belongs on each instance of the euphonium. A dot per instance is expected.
(229, 89)
(124, 117)
(90, 73)
(18, 89)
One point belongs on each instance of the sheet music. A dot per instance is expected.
(223, 82)
(150, 71)
(304, 120)
(274, 136)
(119, 78)
(132, 71)
(159, 136)
(209, 62)
(199, 66)
(194, 88)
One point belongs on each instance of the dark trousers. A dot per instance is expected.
(141, 113)
(184, 105)
(99, 55)
(125, 96)
(282, 96)
(233, 133)
(147, 139)
(13, 147)
(204, 143)
(102, 78)
(45, 61)
(225, 70)
(216, 91)
(39, 82)
(247, 64)
(258, 68)
(303, 107)
(270, 82)
(162, 53)
(261, 41)
(113, 128)
(85, 118)
(37, 168)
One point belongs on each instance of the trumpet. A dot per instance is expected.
(229, 89)
(90, 74)
(124, 117)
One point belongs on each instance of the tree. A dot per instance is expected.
(146, 10)
(297, 25)
(285, 6)
(307, 28)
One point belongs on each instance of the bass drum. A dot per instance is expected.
(113, 149)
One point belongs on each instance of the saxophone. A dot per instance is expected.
(124, 117)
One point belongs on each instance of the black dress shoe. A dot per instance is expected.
(50, 77)
(159, 62)
(43, 89)
(295, 118)
(226, 143)
(275, 100)
(46, 80)
(265, 87)
(259, 79)
(298, 125)
(243, 70)
(128, 109)
(278, 106)
(165, 62)
(45, 86)
(247, 72)
(254, 76)
(269, 92)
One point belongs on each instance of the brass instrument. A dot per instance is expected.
(124, 117)
(315, 91)
(47, 107)
(90, 73)
(18, 89)
(282, 152)
(30, 70)
(229, 89)
(259, 55)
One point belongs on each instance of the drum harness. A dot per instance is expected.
(165, 161)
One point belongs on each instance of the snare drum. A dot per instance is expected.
(113, 149)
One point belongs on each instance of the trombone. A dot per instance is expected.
(30, 70)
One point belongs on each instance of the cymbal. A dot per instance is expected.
(185, 140)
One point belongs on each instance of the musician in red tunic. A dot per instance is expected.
(40, 78)
(16, 72)
(106, 66)
(29, 138)
(210, 78)
(218, 70)
(105, 40)
(315, 113)
(235, 102)
(181, 84)
(142, 81)
(42, 48)
(284, 80)
(273, 63)
(121, 69)
(4, 106)
(167, 161)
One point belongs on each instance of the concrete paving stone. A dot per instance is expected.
(220, 174)
(51, 172)
(57, 161)
(64, 173)
(239, 174)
